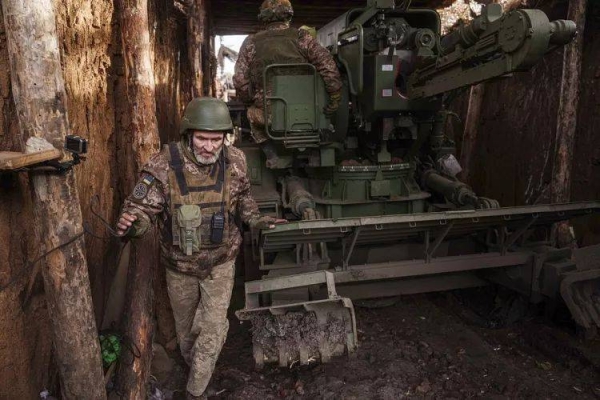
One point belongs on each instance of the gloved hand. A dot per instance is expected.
(266, 222)
(333, 104)
(131, 226)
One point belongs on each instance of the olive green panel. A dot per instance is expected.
(381, 94)
(255, 164)
(373, 208)
(350, 54)
(380, 188)
(298, 110)
(356, 183)
(352, 191)
(327, 157)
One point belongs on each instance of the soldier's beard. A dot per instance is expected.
(208, 160)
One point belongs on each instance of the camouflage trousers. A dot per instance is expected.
(200, 311)
(256, 117)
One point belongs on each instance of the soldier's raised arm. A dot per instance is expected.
(146, 201)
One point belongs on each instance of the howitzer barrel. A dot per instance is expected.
(492, 45)
(563, 31)
(468, 35)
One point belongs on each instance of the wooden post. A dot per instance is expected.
(567, 119)
(209, 58)
(138, 322)
(40, 100)
(214, 67)
(142, 137)
(471, 126)
(196, 43)
(199, 47)
(142, 141)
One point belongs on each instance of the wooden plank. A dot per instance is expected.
(11, 160)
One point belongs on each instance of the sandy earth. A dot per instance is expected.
(446, 345)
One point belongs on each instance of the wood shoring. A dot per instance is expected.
(40, 101)
(469, 140)
(196, 30)
(210, 59)
(141, 143)
(560, 185)
(136, 356)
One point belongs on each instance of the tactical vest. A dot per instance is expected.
(274, 47)
(208, 192)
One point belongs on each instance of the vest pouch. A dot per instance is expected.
(189, 219)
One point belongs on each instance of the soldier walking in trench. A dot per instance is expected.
(278, 43)
(196, 188)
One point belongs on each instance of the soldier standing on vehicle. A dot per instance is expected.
(196, 188)
(277, 43)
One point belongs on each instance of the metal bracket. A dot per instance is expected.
(517, 234)
(438, 240)
(351, 250)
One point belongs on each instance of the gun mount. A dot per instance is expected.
(373, 193)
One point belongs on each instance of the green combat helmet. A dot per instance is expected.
(275, 11)
(206, 114)
(311, 30)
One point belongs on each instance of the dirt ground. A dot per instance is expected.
(445, 345)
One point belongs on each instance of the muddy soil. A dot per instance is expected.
(430, 346)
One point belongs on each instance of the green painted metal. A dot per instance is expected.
(413, 225)
(390, 216)
(492, 45)
(295, 107)
(351, 56)
(206, 114)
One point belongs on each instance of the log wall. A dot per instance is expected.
(25, 345)
(513, 160)
(586, 167)
(93, 72)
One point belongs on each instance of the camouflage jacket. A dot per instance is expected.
(155, 205)
(310, 49)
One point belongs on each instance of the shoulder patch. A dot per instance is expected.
(148, 179)
(140, 191)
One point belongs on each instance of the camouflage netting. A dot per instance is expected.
(293, 330)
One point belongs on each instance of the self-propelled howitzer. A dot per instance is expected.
(372, 196)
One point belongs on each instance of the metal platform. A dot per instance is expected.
(439, 225)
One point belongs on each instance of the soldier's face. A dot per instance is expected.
(207, 146)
